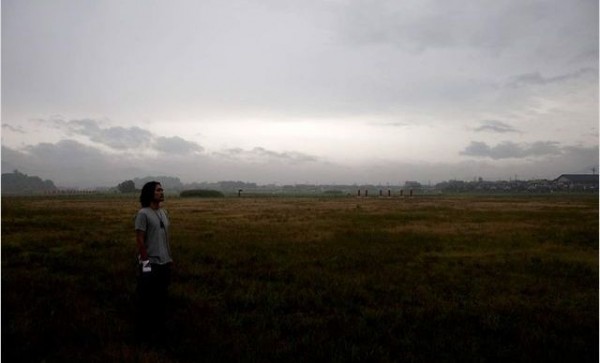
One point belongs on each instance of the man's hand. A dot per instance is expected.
(146, 266)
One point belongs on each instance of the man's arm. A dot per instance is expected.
(140, 236)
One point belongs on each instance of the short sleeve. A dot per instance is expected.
(141, 222)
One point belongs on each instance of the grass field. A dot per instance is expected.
(308, 279)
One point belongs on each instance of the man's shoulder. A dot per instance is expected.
(143, 210)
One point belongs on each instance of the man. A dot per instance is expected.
(154, 275)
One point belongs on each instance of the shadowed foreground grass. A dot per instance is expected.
(296, 280)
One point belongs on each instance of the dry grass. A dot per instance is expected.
(305, 279)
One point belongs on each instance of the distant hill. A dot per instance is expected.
(19, 183)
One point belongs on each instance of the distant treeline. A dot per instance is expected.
(19, 183)
(201, 193)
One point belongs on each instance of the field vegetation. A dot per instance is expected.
(343, 279)
(201, 193)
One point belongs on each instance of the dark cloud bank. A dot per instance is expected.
(512, 150)
(71, 163)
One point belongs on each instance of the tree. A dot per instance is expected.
(128, 186)
(18, 182)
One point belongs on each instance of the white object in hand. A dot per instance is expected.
(146, 266)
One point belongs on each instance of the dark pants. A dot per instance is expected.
(151, 305)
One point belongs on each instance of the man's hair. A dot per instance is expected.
(147, 194)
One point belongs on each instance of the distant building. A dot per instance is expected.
(585, 181)
(412, 184)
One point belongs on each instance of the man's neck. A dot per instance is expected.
(155, 205)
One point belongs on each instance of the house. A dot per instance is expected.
(585, 181)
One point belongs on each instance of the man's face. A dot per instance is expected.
(159, 193)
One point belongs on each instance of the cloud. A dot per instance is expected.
(12, 159)
(16, 129)
(497, 25)
(67, 151)
(119, 138)
(291, 156)
(579, 159)
(176, 145)
(391, 124)
(511, 150)
(495, 126)
(537, 79)
(69, 163)
(262, 155)
(72, 164)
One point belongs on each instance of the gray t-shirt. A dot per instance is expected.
(156, 225)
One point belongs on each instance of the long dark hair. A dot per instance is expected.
(147, 194)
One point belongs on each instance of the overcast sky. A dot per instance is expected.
(97, 92)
